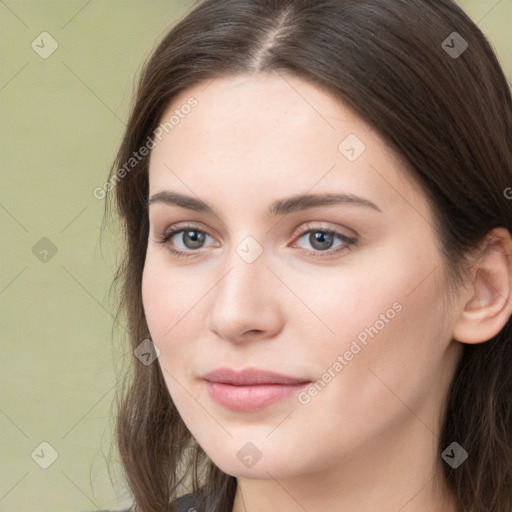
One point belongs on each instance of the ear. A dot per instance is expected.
(488, 302)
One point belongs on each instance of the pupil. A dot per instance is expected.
(196, 237)
(321, 240)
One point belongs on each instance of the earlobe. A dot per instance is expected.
(489, 304)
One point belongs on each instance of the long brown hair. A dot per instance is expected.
(445, 108)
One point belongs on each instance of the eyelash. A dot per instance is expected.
(165, 237)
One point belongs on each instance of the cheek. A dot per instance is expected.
(165, 307)
(385, 320)
(155, 299)
(392, 343)
(174, 309)
(339, 305)
(168, 297)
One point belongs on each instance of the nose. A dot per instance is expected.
(245, 302)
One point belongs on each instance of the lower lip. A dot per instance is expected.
(251, 398)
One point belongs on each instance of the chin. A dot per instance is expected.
(260, 471)
(244, 460)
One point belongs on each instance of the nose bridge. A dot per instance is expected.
(242, 301)
(244, 278)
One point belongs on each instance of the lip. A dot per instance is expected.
(250, 377)
(250, 389)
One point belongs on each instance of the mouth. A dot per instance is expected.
(251, 390)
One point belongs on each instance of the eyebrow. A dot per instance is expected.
(277, 208)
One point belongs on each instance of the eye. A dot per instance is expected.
(189, 236)
(322, 240)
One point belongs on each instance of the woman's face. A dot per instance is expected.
(305, 251)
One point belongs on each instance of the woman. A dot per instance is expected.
(317, 278)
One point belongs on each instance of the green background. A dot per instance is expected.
(62, 118)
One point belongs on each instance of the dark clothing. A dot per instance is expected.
(185, 503)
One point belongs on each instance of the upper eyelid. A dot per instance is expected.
(179, 227)
(312, 225)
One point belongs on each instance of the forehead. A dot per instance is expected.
(271, 132)
(274, 107)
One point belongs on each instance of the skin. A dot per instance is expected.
(368, 439)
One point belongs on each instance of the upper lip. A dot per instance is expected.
(250, 376)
